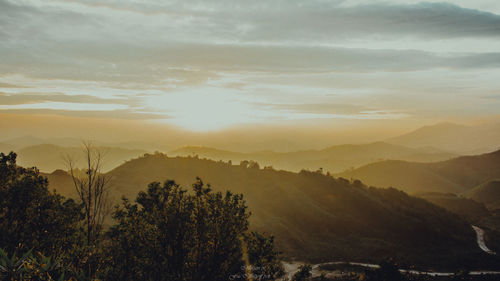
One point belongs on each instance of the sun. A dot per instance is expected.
(198, 110)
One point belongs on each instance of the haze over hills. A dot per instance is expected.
(438, 138)
(455, 175)
(5, 147)
(333, 159)
(28, 140)
(316, 217)
(49, 157)
(460, 139)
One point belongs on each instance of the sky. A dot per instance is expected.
(205, 66)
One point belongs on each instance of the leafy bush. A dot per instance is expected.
(32, 217)
(36, 266)
(171, 234)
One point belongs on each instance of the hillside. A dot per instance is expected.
(318, 218)
(487, 193)
(49, 157)
(455, 175)
(473, 139)
(333, 159)
(469, 209)
(62, 182)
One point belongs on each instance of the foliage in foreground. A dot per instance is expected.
(32, 217)
(171, 234)
(35, 267)
(168, 234)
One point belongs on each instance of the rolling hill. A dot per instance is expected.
(318, 218)
(49, 157)
(472, 139)
(487, 193)
(469, 209)
(333, 159)
(456, 175)
(62, 182)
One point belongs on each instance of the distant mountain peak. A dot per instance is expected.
(456, 138)
(438, 126)
(59, 172)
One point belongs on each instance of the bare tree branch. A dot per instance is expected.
(92, 188)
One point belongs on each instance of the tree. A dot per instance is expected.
(303, 274)
(92, 188)
(262, 256)
(173, 234)
(31, 216)
(253, 165)
(388, 271)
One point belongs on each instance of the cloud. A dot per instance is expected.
(325, 23)
(317, 108)
(106, 52)
(224, 21)
(491, 97)
(32, 98)
(8, 85)
(484, 60)
(175, 43)
(125, 114)
(118, 107)
(194, 64)
(329, 111)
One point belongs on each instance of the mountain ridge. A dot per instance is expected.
(473, 139)
(487, 193)
(50, 157)
(456, 175)
(333, 158)
(316, 217)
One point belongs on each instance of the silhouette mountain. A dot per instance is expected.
(456, 175)
(333, 159)
(454, 138)
(49, 157)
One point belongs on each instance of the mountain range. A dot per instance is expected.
(49, 157)
(426, 144)
(315, 217)
(333, 159)
(454, 138)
